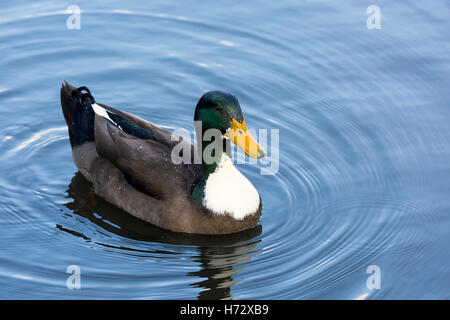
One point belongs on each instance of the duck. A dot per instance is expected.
(159, 177)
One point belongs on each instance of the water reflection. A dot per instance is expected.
(220, 263)
(218, 257)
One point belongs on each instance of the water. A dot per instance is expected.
(364, 148)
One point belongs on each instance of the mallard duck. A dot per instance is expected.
(136, 165)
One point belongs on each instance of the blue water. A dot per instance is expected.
(364, 153)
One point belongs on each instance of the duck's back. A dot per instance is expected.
(140, 149)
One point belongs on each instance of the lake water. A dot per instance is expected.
(362, 189)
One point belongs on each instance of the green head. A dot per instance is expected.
(221, 110)
(217, 109)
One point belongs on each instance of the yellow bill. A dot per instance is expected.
(241, 137)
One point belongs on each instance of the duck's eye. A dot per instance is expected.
(240, 131)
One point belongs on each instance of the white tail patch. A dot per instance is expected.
(102, 112)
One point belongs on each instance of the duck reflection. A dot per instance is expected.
(218, 255)
(219, 265)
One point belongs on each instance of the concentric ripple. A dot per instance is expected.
(363, 155)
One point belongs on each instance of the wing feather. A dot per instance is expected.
(142, 151)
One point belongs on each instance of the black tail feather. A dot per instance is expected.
(78, 113)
